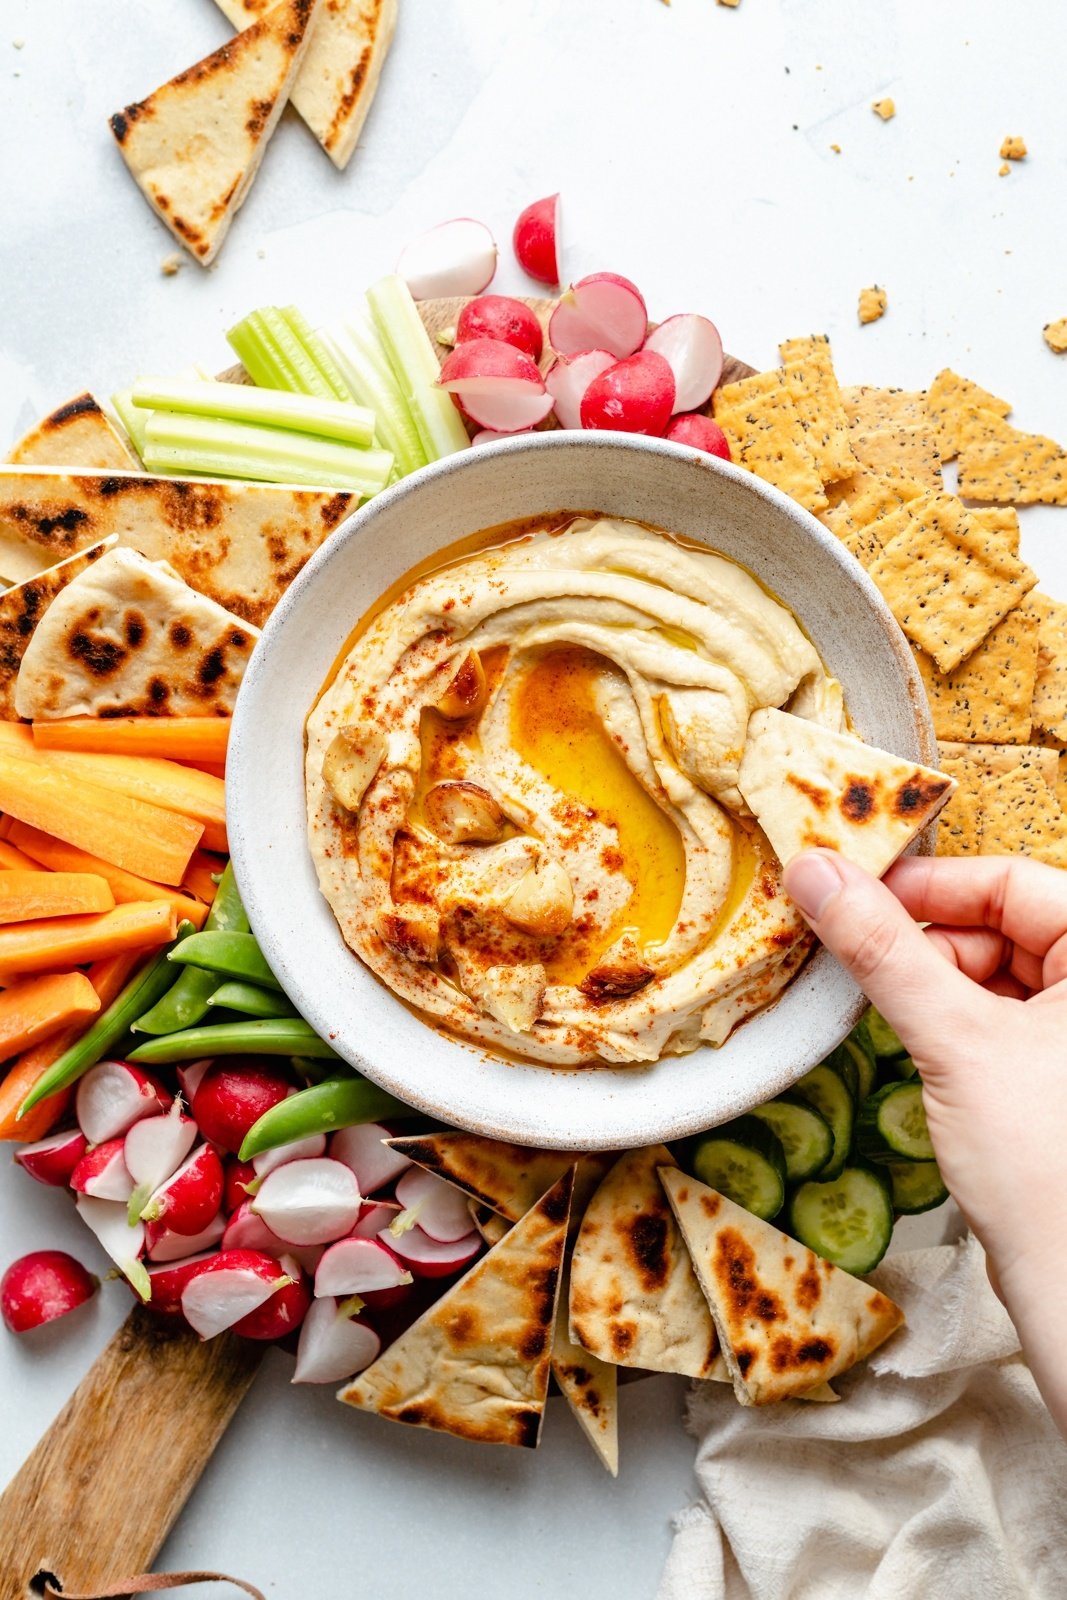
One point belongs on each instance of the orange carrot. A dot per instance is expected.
(11, 857)
(179, 738)
(140, 837)
(5, 827)
(38, 1007)
(67, 941)
(200, 876)
(217, 769)
(162, 783)
(25, 896)
(107, 978)
(37, 847)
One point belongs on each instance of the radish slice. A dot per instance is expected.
(246, 1231)
(189, 1077)
(488, 436)
(155, 1147)
(373, 1218)
(168, 1281)
(457, 257)
(702, 434)
(309, 1202)
(114, 1095)
(229, 1286)
(190, 1197)
(438, 1208)
(102, 1172)
(299, 1150)
(166, 1245)
(536, 240)
(373, 1162)
(498, 316)
(283, 1313)
(569, 377)
(427, 1257)
(601, 312)
(41, 1286)
(123, 1243)
(333, 1347)
(633, 396)
(54, 1159)
(359, 1266)
(497, 386)
(692, 349)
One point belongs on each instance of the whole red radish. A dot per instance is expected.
(168, 1280)
(634, 396)
(190, 1198)
(230, 1286)
(113, 1095)
(600, 312)
(702, 434)
(41, 1286)
(536, 239)
(52, 1160)
(237, 1176)
(283, 1313)
(496, 385)
(234, 1094)
(569, 377)
(498, 316)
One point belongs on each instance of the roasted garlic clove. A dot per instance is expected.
(621, 971)
(412, 931)
(514, 995)
(463, 813)
(351, 762)
(466, 692)
(543, 901)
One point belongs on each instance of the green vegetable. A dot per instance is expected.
(272, 408)
(826, 1090)
(917, 1186)
(251, 1001)
(886, 1040)
(336, 1103)
(860, 1050)
(133, 419)
(358, 352)
(805, 1136)
(278, 1036)
(316, 350)
(892, 1124)
(235, 954)
(743, 1160)
(109, 1027)
(217, 448)
(186, 1001)
(416, 368)
(275, 357)
(848, 1221)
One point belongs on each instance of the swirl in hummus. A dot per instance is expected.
(522, 795)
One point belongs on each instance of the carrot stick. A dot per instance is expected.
(5, 827)
(38, 1007)
(37, 847)
(68, 941)
(179, 738)
(200, 876)
(217, 769)
(25, 896)
(12, 858)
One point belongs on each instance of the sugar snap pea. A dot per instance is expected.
(185, 1002)
(338, 1102)
(235, 955)
(277, 1036)
(250, 1000)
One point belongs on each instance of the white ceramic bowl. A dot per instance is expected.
(670, 487)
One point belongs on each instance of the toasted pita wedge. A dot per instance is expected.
(241, 544)
(476, 1364)
(77, 434)
(634, 1299)
(786, 1319)
(508, 1178)
(807, 786)
(589, 1386)
(193, 146)
(490, 1224)
(337, 81)
(21, 609)
(129, 638)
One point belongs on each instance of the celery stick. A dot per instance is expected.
(316, 351)
(132, 418)
(274, 356)
(356, 348)
(416, 368)
(178, 443)
(240, 402)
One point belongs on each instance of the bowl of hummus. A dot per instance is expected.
(484, 786)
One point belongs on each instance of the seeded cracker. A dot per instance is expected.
(872, 304)
(1050, 692)
(1020, 815)
(1001, 463)
(959, 827)
(988, 696)
(1003, 520)
(909, 451)
(1061, 783)
(948, 581)
(1055, 335)
(768, 437)
(867, 406)
(950, 399)
(809, 376)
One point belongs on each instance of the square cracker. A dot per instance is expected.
(959, 827)
(988, 696)
(868, 407)
(1050, 691)
(950, 399)
(999, 519)
(959, 830)
(947, 580)
(809, 376)
(876, 504)
(1020, 815)
(1001, 463)
(1061, 782)
(767, 436)
(908, 450)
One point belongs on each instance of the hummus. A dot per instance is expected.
(522, 794)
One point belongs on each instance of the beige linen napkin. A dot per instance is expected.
(940, 1476)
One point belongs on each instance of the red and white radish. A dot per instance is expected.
(165, 1245)
(373, 1217)
(190, 1197)
(309, 1202)
(41, 1286)
(495, 385)
(233, 1094)
(634, 396)
(168, 1280)
(692, 349)
(52, 1160)
(374, 1162)
(490, 436)
(439, 1209)
(298, 1150)
(246, 1231)
(536, 240)
(237, 1175)
(333, 1346)
(228, 1287)
(155, 1147)
(702, 433)
(427, 1257)
(359, 1266)
(283, 1313)
(601, 312)
(457, 257)
(190, 1076)
(102, 1172)
(123, 1242)
(113, 1095)
(569, 377)
(498, 316)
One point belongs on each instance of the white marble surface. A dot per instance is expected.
(692, 145)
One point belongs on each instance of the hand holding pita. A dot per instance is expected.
(979, 997)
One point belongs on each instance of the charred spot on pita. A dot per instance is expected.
(916, 795)
(102, 657)
(859, 800)
(647, 1239)
(533, 1342)
(82, 406)
(158, 692)
(735, 1269)
(180, 635)
(744, 1359)
(819, 797)
(135, 628)
(212, 667)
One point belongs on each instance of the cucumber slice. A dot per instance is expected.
(841, 1062)
(743, 1160)
(892, 1124)
(806, 1137)
(917, 1186)
(826, 1090)
(848, 1221)
(859, 1047)
(886, 1040)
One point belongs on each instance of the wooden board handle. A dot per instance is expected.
(98, 1495)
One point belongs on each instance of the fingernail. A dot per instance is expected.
(811, 880)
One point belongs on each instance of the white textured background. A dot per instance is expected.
(692, 145)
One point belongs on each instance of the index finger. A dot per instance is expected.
(1024, 900)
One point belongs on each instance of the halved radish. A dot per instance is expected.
(52, 1160)
(536, 239)
(190, 1076)
(166, 1245)
(155, 1148)
(102, 1172)
(123, 1243)
(569, 377)
(498, 316)
(359, 1266)
(692, 349)
(490, 436)
(333, 1346)
(41, 1286)
(373, 1217)
(233, 1094)
(375, 1164)
(427, 1257)
(190, 1197)
(283, 1313)
(309, 1202)
(298, 1150)
(113, 1095)
(634, 396)
(702, 433)
(439, 1209)
(229, 1286)
(495, 385)
(237, 1175)
(246, 1231)
(168, 1280)
(457, 257)
(601, 312)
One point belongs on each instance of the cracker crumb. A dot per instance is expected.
(886, 107)
(170, 264)
(1013, 148)
(873, 302)
(1056, 335)
(261, 255)
(730, 3)
(19, 44)
(1003, 170)
(836, 148)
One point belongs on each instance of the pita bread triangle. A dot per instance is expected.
(77, 434)
(787, 1320)
(194, 145)
(476, 1364)
(589, 1386)
(21, 610)
(508, 1178)
(807, 786)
